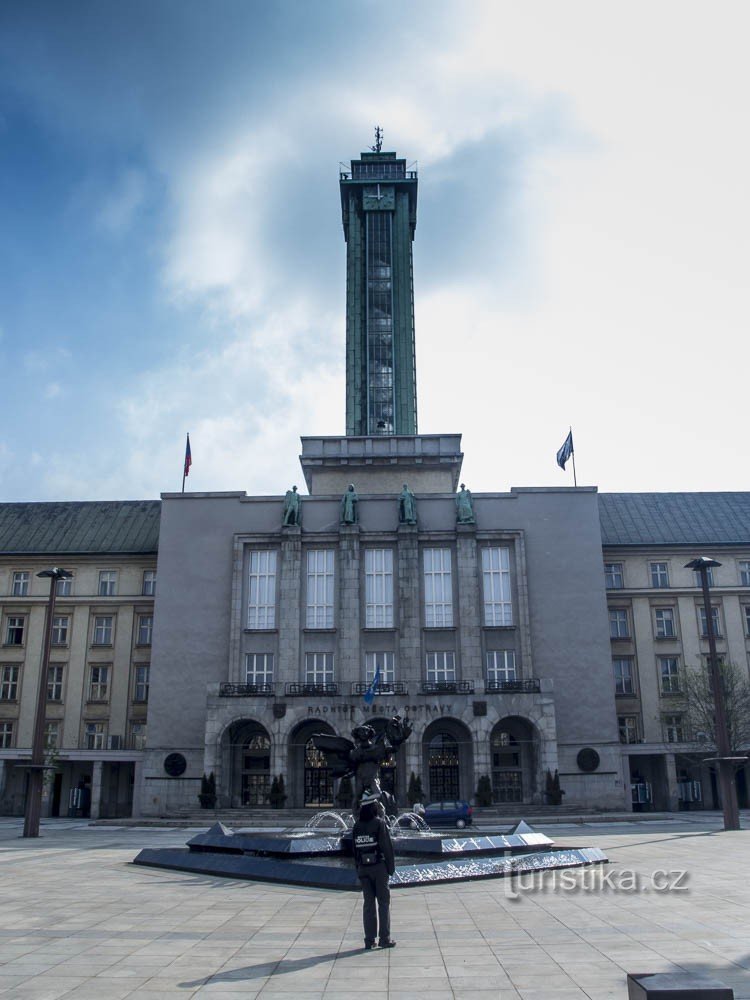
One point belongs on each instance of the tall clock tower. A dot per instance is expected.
(379, 213)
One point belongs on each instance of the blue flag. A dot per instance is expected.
(369, 694)
(566, 451)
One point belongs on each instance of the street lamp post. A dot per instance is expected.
(33, 811)
(724, 759)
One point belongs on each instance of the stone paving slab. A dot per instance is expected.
(78, 921)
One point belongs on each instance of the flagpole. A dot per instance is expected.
(573, 456)
(184, 463)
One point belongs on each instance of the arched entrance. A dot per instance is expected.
(513, 755)
(247, 756)
(448, 760)
(311, 779)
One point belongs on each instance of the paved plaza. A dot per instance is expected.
(78, 920)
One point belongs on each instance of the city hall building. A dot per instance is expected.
(486, 623)
(525, 632)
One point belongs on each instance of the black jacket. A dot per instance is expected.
(372, 845)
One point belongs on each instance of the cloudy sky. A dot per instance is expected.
(172, 259)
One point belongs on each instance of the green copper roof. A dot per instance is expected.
(123, 526)
(675, 518)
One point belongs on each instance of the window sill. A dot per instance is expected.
(143, 645)
(59, 645)
(439, 628)
(102, 645)
(626, 694)
(380, 628)
(252, 631)
(621, 638)
(8, 701)
(666, 638)
(97, 701)
(310, 628)
(13, 645)
(500, 628)
(671, 694)
(140, 701)
(54, 701)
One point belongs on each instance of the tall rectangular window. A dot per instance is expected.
(14, 631)
(438, 588)
(55, 682)
(441, 667)
(618, 623)
(259, 668)
(715, 621)
(378, 588)
(103, 629)
(501, 666)
(149, 582)
(9, 675)
(318, 668)
(6, 735)
(664, 620)
(261, 589)
(385, 662)
(613, 576)
(674, 729)
(624, 675)
(669, 675)
(141, 673)
(107, 583)
(60, 625)
(137, 735)
(746, 610)
(94, 735)
(628, 726)
(99, 683)
(744, 568)
(63, 587)
(498, 608)
(320, 588)
(51, 735)
(659, 574)
(145, 629)
(20, 584)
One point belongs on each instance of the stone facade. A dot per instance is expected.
(558, 702)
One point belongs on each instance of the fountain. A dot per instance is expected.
(320, 853)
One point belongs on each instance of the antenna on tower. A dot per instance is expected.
(378, 140)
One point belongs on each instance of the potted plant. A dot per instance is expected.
(277, 795)
(553, 792)
(484, 791)
(414, 792)
(207, 797)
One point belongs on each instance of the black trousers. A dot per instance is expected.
(374, 881)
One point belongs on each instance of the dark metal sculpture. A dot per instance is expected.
(363, 757)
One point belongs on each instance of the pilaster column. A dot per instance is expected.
(470, 635)
(289, 607)
(96, 789)
(408, 575)
(673, 795)
(349, 667)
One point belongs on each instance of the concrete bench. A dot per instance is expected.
(675, 986)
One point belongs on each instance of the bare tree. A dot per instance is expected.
(699, 700)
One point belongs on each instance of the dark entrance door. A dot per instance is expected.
(507, 768)
(56, 794)
(443, 764)
(256, 768)
(318, 779)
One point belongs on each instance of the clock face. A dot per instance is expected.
(379, 197)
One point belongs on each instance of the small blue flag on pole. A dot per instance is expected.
(566, 451)
(369, 695)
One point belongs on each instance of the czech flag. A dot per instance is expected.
(188, 457)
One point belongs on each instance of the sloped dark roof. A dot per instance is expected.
(675, 518)
(123, 526)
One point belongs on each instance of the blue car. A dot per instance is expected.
(453, 813)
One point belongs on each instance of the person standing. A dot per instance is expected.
(375, 861)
